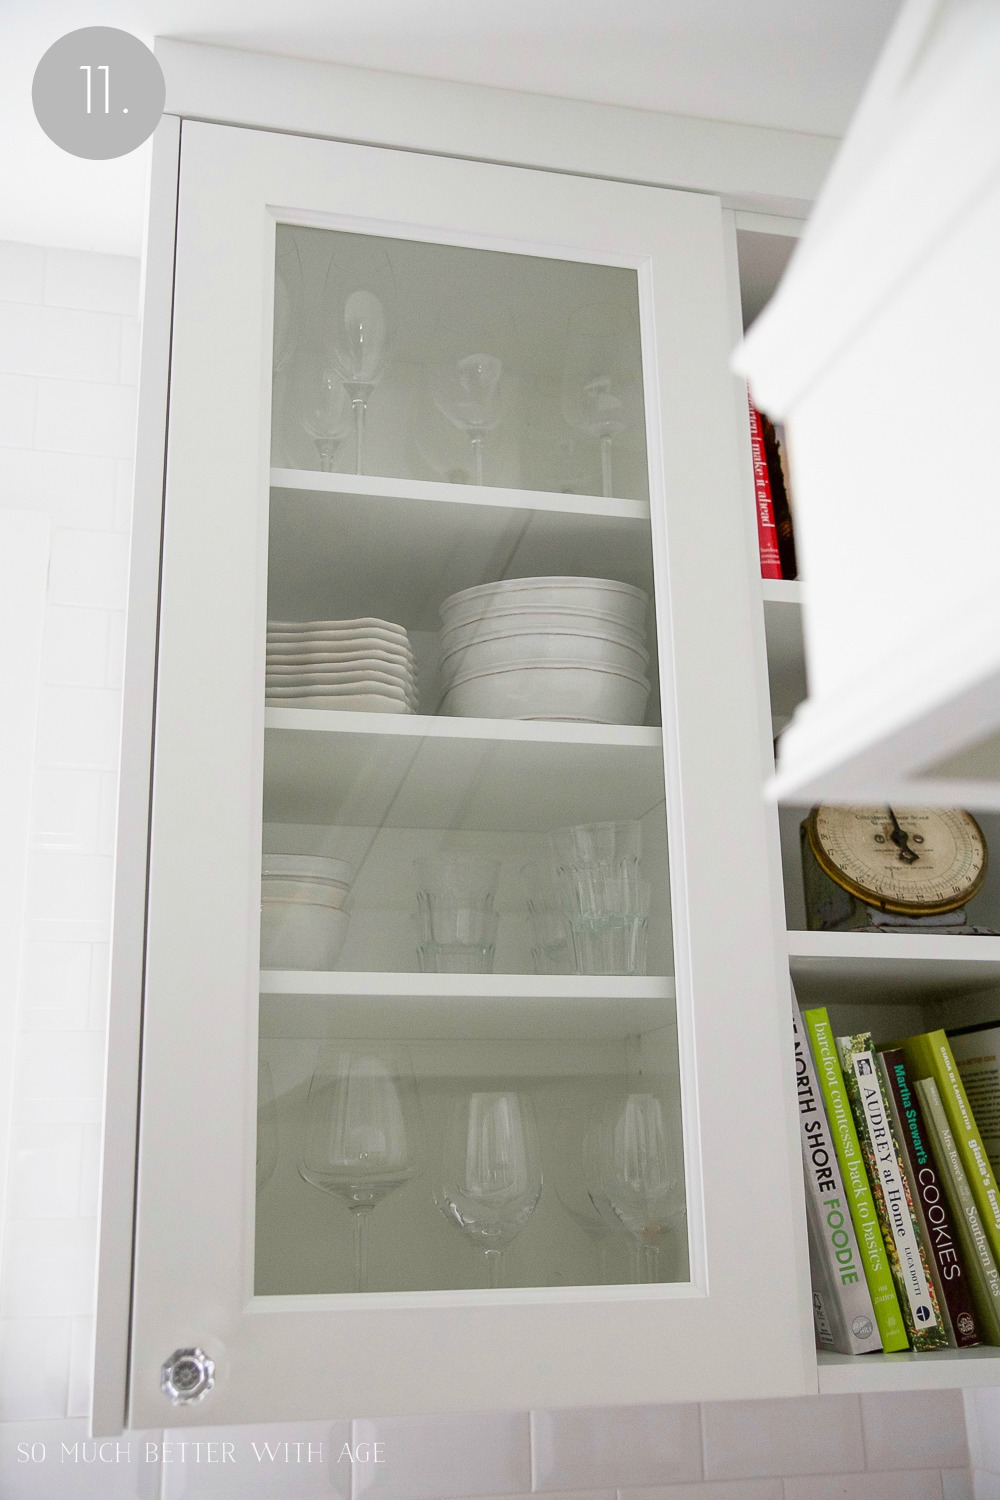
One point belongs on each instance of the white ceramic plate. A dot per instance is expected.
(341, 682)
(302, 866)
(357, 703)
(622, 601)
(290, 654)
(549, 690)
(333, 627)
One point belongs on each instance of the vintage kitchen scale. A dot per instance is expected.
(884, 869)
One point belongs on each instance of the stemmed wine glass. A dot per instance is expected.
(364, 1133)
(491, 1172)
(321, 402)
(600, 386)
(641, 1172)
(581, 1193)
(267, 1126)
(466, 373)
(359, 300)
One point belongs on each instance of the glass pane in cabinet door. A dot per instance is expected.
(468, 1063)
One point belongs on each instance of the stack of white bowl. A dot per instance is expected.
(362, 665)
(546, 648)
(304, 910)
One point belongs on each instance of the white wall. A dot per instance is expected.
(68, 338)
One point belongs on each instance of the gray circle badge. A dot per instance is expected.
(98, 92)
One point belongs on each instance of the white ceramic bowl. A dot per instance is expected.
(312, 892)
(485, 653)
(301, 935)
(505, 621)
(549, 690)
(306, 866)
(620, 600)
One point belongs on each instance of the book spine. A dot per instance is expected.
(859, 1194)
(933, 1058)
(842, 1304)
(976, 1050)
(914, 1286)
(767, 533)
(930, 1204)
(982, 1267)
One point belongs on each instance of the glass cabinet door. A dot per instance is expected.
(464, 1027)
(463, 786)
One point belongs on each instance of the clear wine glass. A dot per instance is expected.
(321, 402)
(581, 1193)
(641, 1172)
(267, 1126)
(364, 1133)
(601, 380)
(359, 309)
(466, 374)
(491, 1172)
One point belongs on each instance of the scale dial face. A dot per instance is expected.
(909, 860)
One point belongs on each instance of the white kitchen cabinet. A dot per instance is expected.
(262, 1283)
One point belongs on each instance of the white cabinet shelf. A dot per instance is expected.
(448, 1007)
(432, 540)
(936, 1369)
(785, 648)
(878, 968)
(416, 771)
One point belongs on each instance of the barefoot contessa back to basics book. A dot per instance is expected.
(855, 1177)
(842, 1304)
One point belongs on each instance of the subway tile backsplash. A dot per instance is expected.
(68, 369)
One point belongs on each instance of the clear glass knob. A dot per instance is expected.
(188, 1375)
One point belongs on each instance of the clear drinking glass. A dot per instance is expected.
(491, 1172)
(467, 368)
(267, 1126)
(321, 402)
(457, 939)
(364, 1132)
(551, 950)
(641, 1172)
(601, 387)
(359, 312)
(455, 916)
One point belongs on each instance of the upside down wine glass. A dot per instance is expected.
(640, 1172)
(364, 1133)
(491, 1172)
(359, 298)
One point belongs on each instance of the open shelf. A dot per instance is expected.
(462, 1007)
(345, 546)
(936, 1369)
(416, 771)
(889, 967)
(785, 649)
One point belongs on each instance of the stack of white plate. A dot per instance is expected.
(304, 911)
(362, 665)
(546, 648)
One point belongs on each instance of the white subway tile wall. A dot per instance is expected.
(68, 367)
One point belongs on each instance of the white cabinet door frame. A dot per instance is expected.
(296, 1357)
